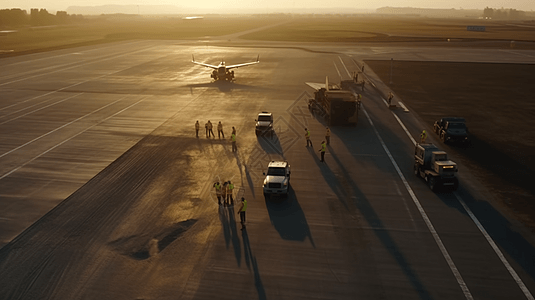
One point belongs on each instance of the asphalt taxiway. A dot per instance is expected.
(99, 159)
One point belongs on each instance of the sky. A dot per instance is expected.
(54, 5)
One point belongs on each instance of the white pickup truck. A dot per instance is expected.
(277, 180)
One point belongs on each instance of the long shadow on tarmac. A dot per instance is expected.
(225, 86)
(288, 218)
(496, 225)
(250, 260)
(271, 144)
(230, 232)
(370, 215)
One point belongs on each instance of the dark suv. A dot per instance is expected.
(452, 130)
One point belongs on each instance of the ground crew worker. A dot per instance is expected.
(220, 130)
(363, 83)
(323, 148)
(206, 127)
(241, 211)
(210, 131)
(233, 139)
(390, 96)
(224, 193)
(230, 192)
(218, 192)
(328, 136)
(423, 136)
(197, 126)
(233, 130)
(307, 136)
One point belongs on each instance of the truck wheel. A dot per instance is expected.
(432, 181)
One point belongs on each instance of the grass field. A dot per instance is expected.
(325, 29)
(378, 29)
(497, 101)
(109, 29)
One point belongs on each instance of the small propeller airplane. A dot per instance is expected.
(221, 71)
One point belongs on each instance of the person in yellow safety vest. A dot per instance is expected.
(224, 193)
(210, 131)
(197, 126)
(323, 148)
(328, 136)
(218, 192)
(307, 136)
(241, 211)
(423, 136)
(230, 192)
(233, 138)
(220, 130)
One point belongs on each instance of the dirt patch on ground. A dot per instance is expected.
(498, 103)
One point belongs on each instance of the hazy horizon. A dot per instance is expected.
(210, 6)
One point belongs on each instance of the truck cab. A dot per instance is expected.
(277, 181)
(433, 165)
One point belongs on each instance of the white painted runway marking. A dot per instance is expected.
(68, 98)
(64, 141)
(63, 126)
(338, 71)
(426, 219)
(491, 242)
(344, 67)
(76, 66)
(497, 250)
(517, 53)
(404, 128)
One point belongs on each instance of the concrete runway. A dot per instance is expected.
(99, 157)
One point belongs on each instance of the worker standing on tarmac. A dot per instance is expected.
(328, 136)
(307, 136)
(197, 126)
(241, 211)
(323, 148)
(423, 137)
(210, 131)
(206, 127)
(218, 192)
(230, 192)
(224, 193)
(220, 130)
(233, 139)
(233, 130)
(390, 97)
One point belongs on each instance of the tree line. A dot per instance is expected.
(16, 17)
(503, 13)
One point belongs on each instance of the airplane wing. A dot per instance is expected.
(326, 85)
(245, 64)
(202, 64)
(315, 85)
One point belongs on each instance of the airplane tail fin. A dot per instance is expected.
(258, 58)
(192, 58)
